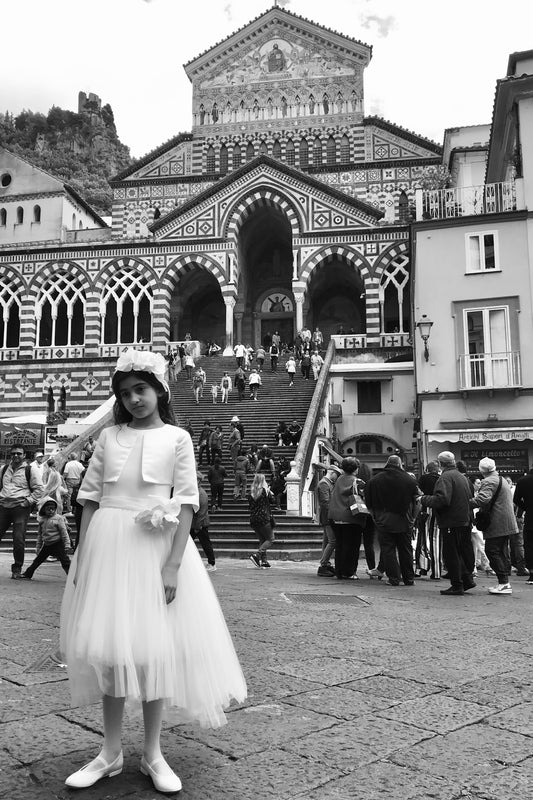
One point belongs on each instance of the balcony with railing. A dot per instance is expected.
(465, 201)
(491, 371)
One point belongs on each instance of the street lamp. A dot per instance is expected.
(424, 325)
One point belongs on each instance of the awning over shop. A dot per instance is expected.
(480, 435)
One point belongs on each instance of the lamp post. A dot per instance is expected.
(424, 325)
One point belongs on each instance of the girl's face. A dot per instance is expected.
(140, 400)
(48, 510)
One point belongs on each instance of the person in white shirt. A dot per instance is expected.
(72, 472)
(254, 382)
(38, 464)
(240, 353)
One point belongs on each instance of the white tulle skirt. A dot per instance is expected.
(120, 638)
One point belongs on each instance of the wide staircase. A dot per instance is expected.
(297, 538)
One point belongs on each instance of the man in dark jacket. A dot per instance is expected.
(390, 496)
(451, 501)
(523, 499)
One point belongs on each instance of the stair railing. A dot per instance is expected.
(299, 500)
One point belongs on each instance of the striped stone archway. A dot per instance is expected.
(244, 208)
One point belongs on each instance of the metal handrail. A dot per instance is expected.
(302, 459)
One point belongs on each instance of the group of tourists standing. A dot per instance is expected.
(427, 526)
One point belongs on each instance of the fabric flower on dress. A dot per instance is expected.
(158, 518)
(143, 361)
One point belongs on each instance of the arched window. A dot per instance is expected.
(20, 215)
(237, 156)
(126, 308)
(263, 149)
(157, 213)
(304, 153)
(210, 159)
(317, 152)
(250, 151)
(223, 159)
(325, 103)
(9, 317)
(60, 312)
(331, 150)
(276, 149)
(403, 208)
(345, 149)
(36, 213)
(3, 217)
(394, 297)
(73, 221)
(289, 152)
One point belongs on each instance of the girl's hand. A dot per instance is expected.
(170, 582)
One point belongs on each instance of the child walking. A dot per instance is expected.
(52, 539)
(139, 618)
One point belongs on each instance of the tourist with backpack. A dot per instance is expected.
(20, 489)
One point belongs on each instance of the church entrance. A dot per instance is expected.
(265, 301)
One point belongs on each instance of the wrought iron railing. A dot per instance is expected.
(464, 201)
(490, 370)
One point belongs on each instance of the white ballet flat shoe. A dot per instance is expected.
(163, 778)
(94, 771)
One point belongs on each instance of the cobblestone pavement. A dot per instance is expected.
(357, 690)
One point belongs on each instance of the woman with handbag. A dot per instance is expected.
(497, 521)
(260, 502)
(347, 517)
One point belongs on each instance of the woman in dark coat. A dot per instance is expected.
(348, 529)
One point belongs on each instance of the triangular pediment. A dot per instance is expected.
(311, 205)
(22, 178)
(171, 160)
(385, 141)
(278, 45)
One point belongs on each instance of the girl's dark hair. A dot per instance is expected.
(350, 464)
(163, 403)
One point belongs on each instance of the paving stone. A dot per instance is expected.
(438, 713)
(392, 688)
(253, 729)
(19, 702)
(498, 691)
(471, 751)
(274, 774)
(510, 783)
(353, 744)
(518, 718)
(42, 737)
(329, 670)
(337, 701)
(449, 673)
(263, 686)
(383, 779)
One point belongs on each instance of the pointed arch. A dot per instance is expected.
(186, 263)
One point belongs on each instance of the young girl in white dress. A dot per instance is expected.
(140, 619)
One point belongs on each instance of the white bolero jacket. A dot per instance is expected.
(167, 460)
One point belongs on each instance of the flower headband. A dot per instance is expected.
(144, 361)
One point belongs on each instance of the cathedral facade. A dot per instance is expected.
(283, 207)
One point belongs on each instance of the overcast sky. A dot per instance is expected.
(434, 65)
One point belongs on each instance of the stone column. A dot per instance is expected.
(161, 320)
(238, 318)
(92, 324)
(28, 327)
(298, 289)
(373, 321)
(229, 301)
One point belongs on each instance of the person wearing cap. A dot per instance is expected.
(324, 489)
(390, 496)
(20, 488)
(235, 421)
(52, 539)
(502, 525)
(450, 500)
